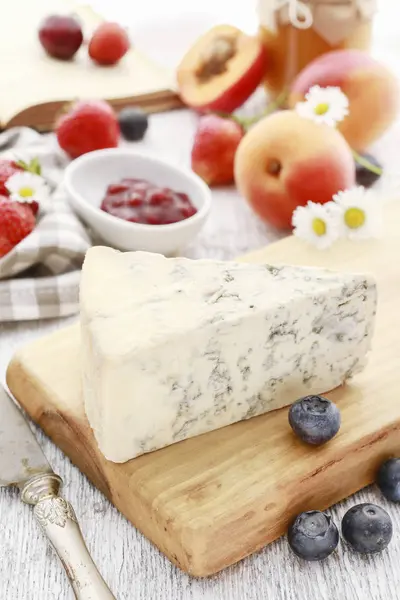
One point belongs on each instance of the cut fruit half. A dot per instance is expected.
(221, 70)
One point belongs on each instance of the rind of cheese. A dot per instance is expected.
(173, 348)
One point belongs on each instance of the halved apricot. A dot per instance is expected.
(221, 70)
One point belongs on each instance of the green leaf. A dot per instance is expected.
(22, 164)
(35, 167)
(364, 162)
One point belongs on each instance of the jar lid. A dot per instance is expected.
(333, 20)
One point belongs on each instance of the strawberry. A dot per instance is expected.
(34, 206)
(89, 125)
(214, 148)
(16, 222)
(109, 44)
(7, 168)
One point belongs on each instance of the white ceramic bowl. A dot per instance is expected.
(87, 177)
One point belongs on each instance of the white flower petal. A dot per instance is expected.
(17, 198)
(26, 187)
(337, 105)
(303, 218)
(360, 200)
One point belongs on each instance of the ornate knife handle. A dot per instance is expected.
(58, 521)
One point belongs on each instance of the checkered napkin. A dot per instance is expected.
(39, 278)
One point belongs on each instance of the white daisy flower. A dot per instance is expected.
(27, 187)
(360, 213)
(316, 223)
(327, 105)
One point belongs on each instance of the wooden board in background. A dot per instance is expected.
(210, 501)
(35, 86)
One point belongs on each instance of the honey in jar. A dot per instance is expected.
(295, 32)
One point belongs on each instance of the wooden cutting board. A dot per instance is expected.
(210, 501)
(36, 87)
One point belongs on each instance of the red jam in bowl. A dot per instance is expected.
(139, 201)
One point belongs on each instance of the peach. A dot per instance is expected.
(371, 88)
(221, 70)
(286, 160)
(215, 143)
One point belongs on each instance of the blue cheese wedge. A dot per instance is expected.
(173, 348)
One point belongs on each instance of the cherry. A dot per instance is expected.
(61, 36)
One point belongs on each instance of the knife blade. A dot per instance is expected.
(24, 465)
(21, 457)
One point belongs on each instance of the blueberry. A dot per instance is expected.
(367, 528)
(364, 175)
(133, 123)
(388, 479)
(313, 535)
(314, 419)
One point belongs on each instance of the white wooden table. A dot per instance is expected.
(134, 569)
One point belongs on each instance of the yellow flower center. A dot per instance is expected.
(321, 108)
(319, 226)
(26, 192)
(354, 218)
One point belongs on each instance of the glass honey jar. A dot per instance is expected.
(295, 32)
